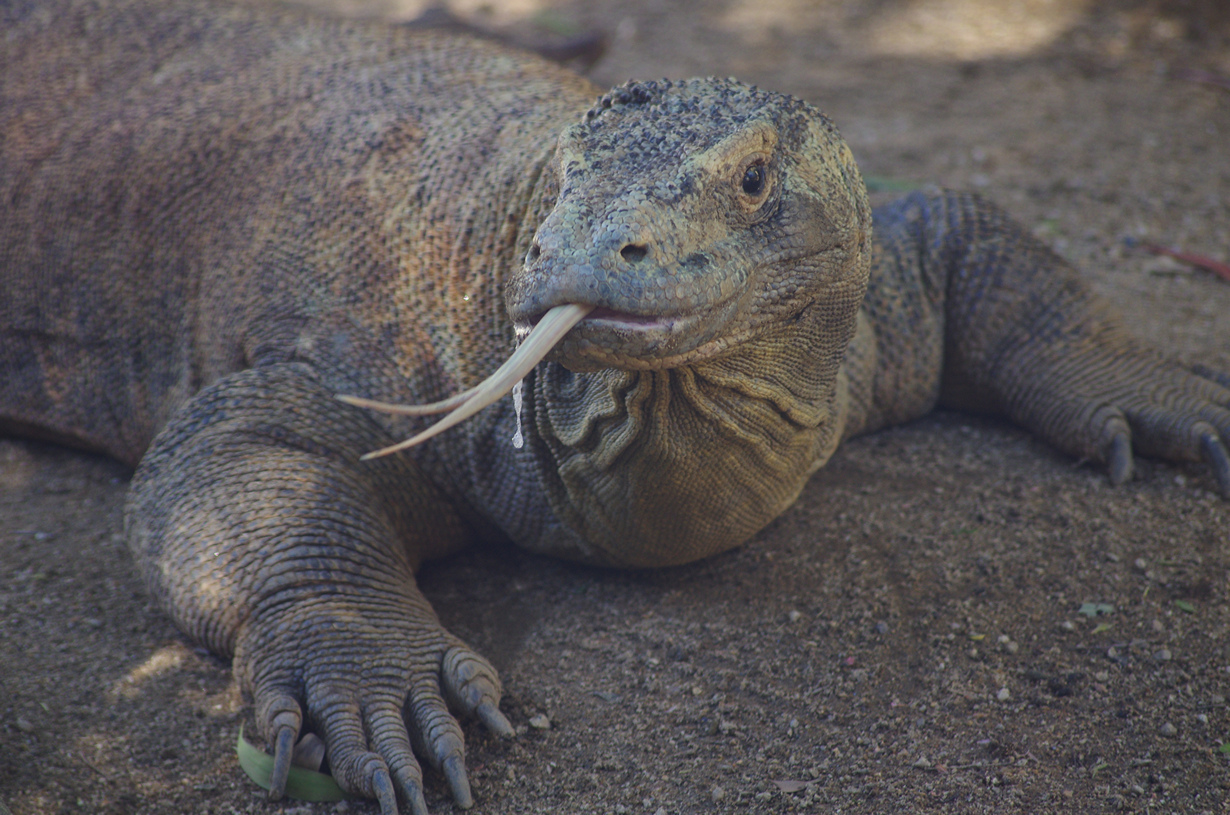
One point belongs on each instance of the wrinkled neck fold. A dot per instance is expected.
(656, 468)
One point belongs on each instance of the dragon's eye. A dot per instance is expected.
(753, 180)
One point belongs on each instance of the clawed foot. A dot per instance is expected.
(1179, 416)
(378, 714)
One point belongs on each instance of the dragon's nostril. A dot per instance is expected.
(535, 251)
(633, 252)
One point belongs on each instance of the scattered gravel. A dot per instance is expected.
(1094, 136)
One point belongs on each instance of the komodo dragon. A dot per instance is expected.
(216, 220)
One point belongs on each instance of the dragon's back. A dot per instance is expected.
(181, 187)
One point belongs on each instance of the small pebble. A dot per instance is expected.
(24, 724)
(1003, 695)
(923, 763)
(1141, 563)
(1157, 627)
(881, 627)
(1067, 625)
(795, 616)
(1168, 730)
(540, 722)
(1217, 699)
(1162, 655)
(1101, 676)
(717, 794)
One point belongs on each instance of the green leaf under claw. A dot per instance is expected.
(302, 784)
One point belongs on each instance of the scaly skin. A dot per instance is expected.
(217, 219)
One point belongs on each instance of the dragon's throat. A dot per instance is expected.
(656, 468)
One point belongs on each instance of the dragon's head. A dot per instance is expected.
(688, 215)
(683, 218)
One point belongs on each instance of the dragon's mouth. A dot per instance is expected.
(597, 329)
(624, 319)
(601, 318)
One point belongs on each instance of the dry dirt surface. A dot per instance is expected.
(910, 636)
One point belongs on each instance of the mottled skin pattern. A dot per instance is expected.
(214, 220)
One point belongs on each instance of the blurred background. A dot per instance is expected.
(908, 637)
(1094, 121)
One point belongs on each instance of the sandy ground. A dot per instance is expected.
(907, 638)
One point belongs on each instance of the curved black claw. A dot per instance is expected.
(382, 785)
(387, 734)
(437, 737)
(489, 714)
(472, 685)
(1215, 454)
(454, 769)
(280, 718)
(412, 793)
(283, 754)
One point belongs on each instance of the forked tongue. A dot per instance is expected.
(550, 330)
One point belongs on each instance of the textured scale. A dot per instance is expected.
(215, 220)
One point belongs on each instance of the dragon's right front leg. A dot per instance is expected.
(264, 537)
